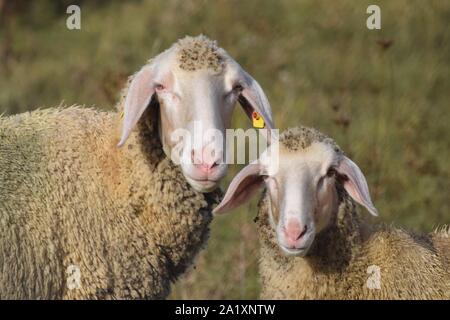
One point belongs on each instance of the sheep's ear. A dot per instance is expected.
(243, 186)
(253, 98)
(355, 184)
(137, 99)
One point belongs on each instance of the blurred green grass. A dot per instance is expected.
(383, 95)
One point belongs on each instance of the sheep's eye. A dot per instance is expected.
(159, 87)
(238, 88)
(331, 172)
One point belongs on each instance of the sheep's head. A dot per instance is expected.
(197, 85)
(300, 178)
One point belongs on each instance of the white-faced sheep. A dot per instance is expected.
(314, 244)
(81, 218)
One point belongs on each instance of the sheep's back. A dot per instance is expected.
(406, 265)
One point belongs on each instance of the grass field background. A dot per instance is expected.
(382, 94)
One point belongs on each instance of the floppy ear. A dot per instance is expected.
(139, 94)
(355, 184)
(243, 186)
(252, 98)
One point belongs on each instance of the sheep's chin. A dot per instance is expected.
(202, 186)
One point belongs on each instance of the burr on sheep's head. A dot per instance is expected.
(197, 85)
(300, 172)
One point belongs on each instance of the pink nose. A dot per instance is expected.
(293, 232)
(206, 159)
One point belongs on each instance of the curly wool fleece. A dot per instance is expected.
(195, 53)
(82, 219)
(344, 257)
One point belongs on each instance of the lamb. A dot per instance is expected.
(315, 245)
(81, 218)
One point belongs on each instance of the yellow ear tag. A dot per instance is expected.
(122, 114)
(258, 121)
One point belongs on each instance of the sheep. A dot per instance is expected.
(314, 243)
(81, 218)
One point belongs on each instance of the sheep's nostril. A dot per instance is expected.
(302, 233)
(215, 164)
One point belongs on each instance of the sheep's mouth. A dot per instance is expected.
(299, 252)
(202, 185)
(204, 180)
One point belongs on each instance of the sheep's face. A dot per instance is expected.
(197, 86)
(302, 195)
(194, 137)
(301, 190)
